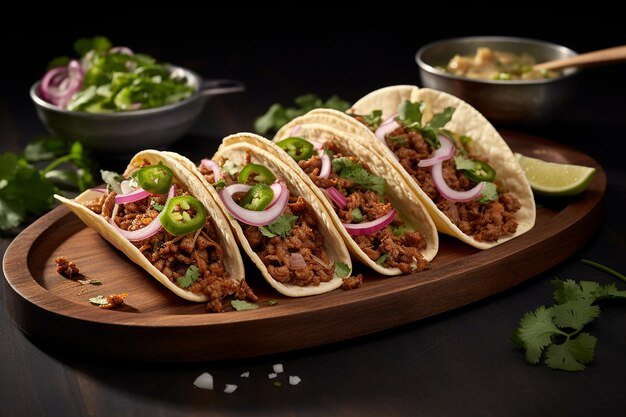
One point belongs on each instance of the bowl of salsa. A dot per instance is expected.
(496, 75)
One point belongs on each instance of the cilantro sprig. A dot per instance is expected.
(555, 334)
(346, 168)
(410, 116)
(26, 191)
(278, 115)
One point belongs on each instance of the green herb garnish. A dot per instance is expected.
(346, 168)
(399, 231)
(277, 116)
(341, 270)
(241, 305)
(220, 185)
(490, 193)
(99, 300)
(382, 259)
(271, 302)
(27, 192)
(555, 333)
(280, 227)
(357, 216)
(191, 275)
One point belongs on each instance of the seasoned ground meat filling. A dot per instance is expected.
(173, 255)
(484, 221)
(277, 253)
(400, 250)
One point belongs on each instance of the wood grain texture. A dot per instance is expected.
(157, 325)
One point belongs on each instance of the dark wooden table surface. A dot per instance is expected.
(458, 363)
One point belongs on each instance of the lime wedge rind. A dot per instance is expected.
(555, 179)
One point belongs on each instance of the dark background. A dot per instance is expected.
(457, 363)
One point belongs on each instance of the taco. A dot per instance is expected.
(279, 222)
(373, 210)
(162, 218)
(462, 169)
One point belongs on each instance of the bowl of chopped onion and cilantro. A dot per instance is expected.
(115, 100)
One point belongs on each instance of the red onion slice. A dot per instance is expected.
(251, 217)
(337, 197)
(98, 190)
(386, 127)
(368, 228)
(445, 152)
(59, 84)
(212, 165)
(317, 145)
(150, 230)
(450, 194)
(136, 195)
(276, 187)
(326, 165)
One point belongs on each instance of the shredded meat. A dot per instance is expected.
(403, 251)
(173, 255)
(66, 267)
(484, 221)
(275, 252)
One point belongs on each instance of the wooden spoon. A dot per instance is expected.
(602, 56)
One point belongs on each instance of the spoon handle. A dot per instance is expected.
(615, 54)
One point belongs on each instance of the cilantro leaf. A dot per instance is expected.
(341, 270)
(99, 300)
(400, 140)
(8, 166)
(464, 163)
(97, 43)
(439, 120)
(373, 120)
(280, 227)
(45, 148)
(411, 113)
(399, 231)
(191, 276)
(575, 314)
(219, 185)
(535, 332)
(272, 302)
(346, 168)
(112, 179)
(573, 354)
(241, 305)
(278, 115)
(357, 216)
(11, 214)
(383, 258)
(490, 193)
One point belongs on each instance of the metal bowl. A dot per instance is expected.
(505, 102)
(126, 132)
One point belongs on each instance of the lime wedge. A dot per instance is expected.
(553, 179)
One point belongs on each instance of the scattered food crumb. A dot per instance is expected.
(278, 368)
(294, 380)
(277, 383)
(66, 267)
(110, 301)
(204, 381)
(352, 282)
(90, 282)
(245, 374)
(272, 375)
(230, 388)
(272, 302)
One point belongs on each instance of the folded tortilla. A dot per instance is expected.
(238, 148)
(465, 121)
(233, 263)
(332, 126)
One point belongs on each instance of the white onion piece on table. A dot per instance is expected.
(386, 127)
(150, 230)
(450, 194)
(204, 381)
(326, 165)
(445, 152)
(337, 197)
(230, 388)
(212, 165)
(374, 226)
(251, 217)
(294, 380)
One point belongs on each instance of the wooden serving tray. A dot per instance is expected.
(155, 325)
